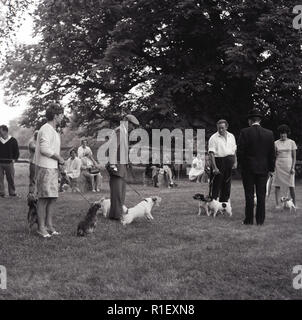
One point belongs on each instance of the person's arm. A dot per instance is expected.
(213, 163)
(32, 146)
(77, 170)
(294, 158)
(46, 150)
(235, 161)
(272, 155)
(114, 144)
(234, 152)
(241, 149)
(212, 149)
(16, 152)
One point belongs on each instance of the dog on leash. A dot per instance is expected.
(141, 210)
(288, 203)
(105, 207)
(89, 223)
(212, 206)
(32, 215)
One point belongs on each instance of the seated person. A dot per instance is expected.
(72, 171)
(91, 172)
(85, 151)
(197, 169)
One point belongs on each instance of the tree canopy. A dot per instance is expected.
(173, 63)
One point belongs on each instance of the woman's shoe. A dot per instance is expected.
(45, 236)
(53, 232)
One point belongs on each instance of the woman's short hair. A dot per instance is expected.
(284, 128)
(72, 150)
(52, 110)
(221, 121)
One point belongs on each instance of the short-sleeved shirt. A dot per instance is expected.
(84, 152)
(221, 146)
(284, 148)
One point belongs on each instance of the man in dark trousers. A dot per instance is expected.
(118, 166)
(9, 152)
(256, 156)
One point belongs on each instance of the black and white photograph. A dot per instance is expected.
(150, 151)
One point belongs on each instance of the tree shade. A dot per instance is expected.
(172, 63)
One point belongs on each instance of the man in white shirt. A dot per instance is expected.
(222, 152)
(85, 151)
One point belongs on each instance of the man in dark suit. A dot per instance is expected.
(256, 157)
(118, 166)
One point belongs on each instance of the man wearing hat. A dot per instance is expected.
(256, 157)
(118, 165)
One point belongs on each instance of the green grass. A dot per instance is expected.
(178, 256)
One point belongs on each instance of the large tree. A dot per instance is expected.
(181, 63)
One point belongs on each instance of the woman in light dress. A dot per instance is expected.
(197, 169)
(284, 176)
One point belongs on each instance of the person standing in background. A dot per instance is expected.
(32, 166)
(9, 152)
(47, 158)
(222, 152)
(118, 166)
(256, 156)
(285, 164)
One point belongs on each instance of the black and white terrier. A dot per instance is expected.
(212, 206)
(288, 204)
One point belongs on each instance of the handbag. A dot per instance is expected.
(93, 170)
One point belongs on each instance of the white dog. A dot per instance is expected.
(143, 209)
(212, 206)
(105, 207)
(288, 203)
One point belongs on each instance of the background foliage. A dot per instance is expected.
(173, 63)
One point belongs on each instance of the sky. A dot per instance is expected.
(7, 113)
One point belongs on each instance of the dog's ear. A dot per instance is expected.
(208, 199)
(199, 196)
(156, 200)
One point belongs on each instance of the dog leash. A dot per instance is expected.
(78, 190)
(132, 188)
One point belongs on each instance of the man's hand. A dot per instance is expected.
(235, 165)
(292, 171)
(271, 173)
(61, 161)
(216, 171)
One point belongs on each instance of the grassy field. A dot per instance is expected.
(177, 256)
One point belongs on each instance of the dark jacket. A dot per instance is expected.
(256, 150)
(9, 151)
(119, 156)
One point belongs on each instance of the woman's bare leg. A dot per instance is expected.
(41, 210)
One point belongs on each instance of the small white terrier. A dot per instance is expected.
(288, 203)
(142, 209)
(105, 207)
